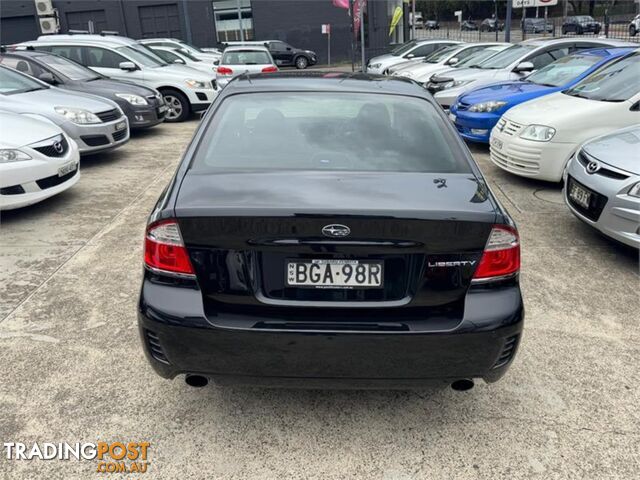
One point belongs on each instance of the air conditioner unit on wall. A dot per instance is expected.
(49, 25)
(44, 8)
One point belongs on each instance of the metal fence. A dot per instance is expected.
(614, 27)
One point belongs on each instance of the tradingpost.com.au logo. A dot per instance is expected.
(112, 457)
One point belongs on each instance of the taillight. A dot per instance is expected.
(164, 249)
(270, 69)
(501, 254)
(224, 71)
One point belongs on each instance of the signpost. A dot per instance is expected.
(326, 30)
(534, 3)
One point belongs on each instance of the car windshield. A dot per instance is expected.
(585, 19)
(187, 55)
(188, 46)
(68, 68)
(404, 48)
(143, 55)
(615, 82)
(328, 131)
(12, 82)
(441, 54)
(506, 57)
(563, 70)
(476, 58)
(245, 57)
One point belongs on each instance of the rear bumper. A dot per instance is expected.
(178, 338)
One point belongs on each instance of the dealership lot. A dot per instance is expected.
(74, 368)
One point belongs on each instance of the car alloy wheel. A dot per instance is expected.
(301, 63)
(175, 107)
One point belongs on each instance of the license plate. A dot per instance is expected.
(334, 274)
(162, 108)
(452, 117)
(497, 144)
(579, 195)
(121, 126)
(68, 168)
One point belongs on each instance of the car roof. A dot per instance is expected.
(93, 38)
(244, 48)
(606, 42)
(300, 81)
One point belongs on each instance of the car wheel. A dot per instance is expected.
(632, 31)
(579, 31)
(302, 63)
(564, 31)
(177, 104)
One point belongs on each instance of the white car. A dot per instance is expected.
(175, 56)
(209, 55)
(184, 89)
(443, 59)
(411, 50)
(37, 160)
(244, 59)
(537, 138)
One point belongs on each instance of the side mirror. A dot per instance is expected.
(453, 61)
(409, 55)
(524, 67)
(47, 78)
(128, 66)
(288, 49)
(216, 62)
(180, 61)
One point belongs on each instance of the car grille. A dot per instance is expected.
(508, 351)
(12, 190)
(155, 347)
(524, 160)
(604, 170)
(109, 115)
(95, 140)
(54, 180)
(596, 205)
(508, 127)
(50, 150)
(119, 135)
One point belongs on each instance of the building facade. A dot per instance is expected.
(207, 23)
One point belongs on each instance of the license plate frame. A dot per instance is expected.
(66, 169)
(580, 195)
(496, 143)
(372, 270)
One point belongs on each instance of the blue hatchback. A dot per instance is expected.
(475, 113)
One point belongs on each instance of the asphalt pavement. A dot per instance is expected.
(73, 369)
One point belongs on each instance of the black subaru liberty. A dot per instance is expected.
(329, 230)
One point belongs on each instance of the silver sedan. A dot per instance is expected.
(602, 185)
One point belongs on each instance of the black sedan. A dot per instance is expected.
(367, 253)
(144, 107)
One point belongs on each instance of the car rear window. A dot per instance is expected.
(328, 131)
(245, 57)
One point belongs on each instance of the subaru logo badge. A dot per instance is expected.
(57, 146)
(335, 230)
(593, 167)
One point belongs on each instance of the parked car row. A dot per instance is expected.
(536, 103)
(64, 96)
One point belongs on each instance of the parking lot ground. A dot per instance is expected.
(73, 368)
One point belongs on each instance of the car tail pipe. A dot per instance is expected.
(462, 384)
(196, 381)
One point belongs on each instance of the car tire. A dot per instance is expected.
(178, 104)
(579, 31)
(632, 31)
(301, 63)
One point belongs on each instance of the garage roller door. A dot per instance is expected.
(160, 21)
